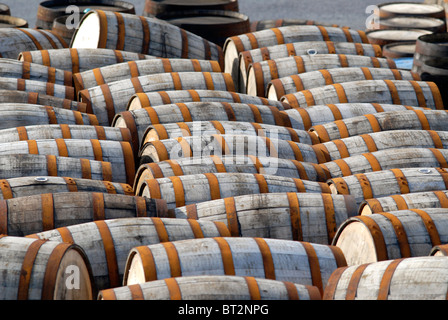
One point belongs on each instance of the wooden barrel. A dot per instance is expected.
(383, 140)
(36, 86)
(413, 93)
(213, 288)
(16, 96)
(259, 74)
(109, 99)
(258, 25)
(228, 144)
(155, 8)
(7, 21)
(152, 99)
(305, 118)
(388, 36)
(15, 40)
(287, 216)
(282, 35)
(4, 9)
(47, 211)
(24, 165)
(277, 88)
(138, 120)
(23, 114)
(107, 242)
(391, 235)
(399, 50)
(384, 121)
(33, 269)
(431, 46)
(390, 182)
(213, 25)
(387, 159)
(276, 259)
(242, 164)
(81, 59)
(413, 200)
(132, 69)
(398, 279)
(64, 26)
(304, 48)
(410, 9)
(34, 185)
(105, 29)
(118, 153)
(406, 22)
(176, 191)
(47, 11)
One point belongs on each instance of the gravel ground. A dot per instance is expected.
(351, 13)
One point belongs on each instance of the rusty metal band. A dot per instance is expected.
(290, 49)
(219, 165)
(343, 61)
(419, 94)
(294, 213)
(218, 126)
(400, 202)
(378, 50)
(129, 163)
(373, 161)
(422, 119)
(442, 197)
(280, 118)
(136, 292)
(373, 121)
(294, 136)
(313, 260)
(65, 131)
(102, 41)
(33, 39)
(377, 235)
(270, 146)
(3, 217)
(375, 62)
(400, 233)
(239, 43)
(208, 53)
(153, 188)
(299, 64)
(136, 84)
(173, 259)
(110, 188)
(367, 73)
(342, 129)
(401, 181)
(148, 262)
(324, 33)
(86, 170)
(299, 184)
(179, 193)
(397, 74)
(252, 41)
(155, 172)
(33, 98)
(353, 284)
(144, 99)
(62, 147)
(96, 149)
(278, 87)
(386, 280)
(328, 206)
(235, 97)
(32, 147)
(302, 172)
(214, 65)
(186, 115)
(196, 228)
(49, 90)
(213, 182)
(342, 148)
(393, 91)
(257, 164)
(296, 151)
(437, 97)
(439, 157)
(52, 77)
(335, 111)
(226, 256)
(175, 166)
(331, 47)
(306, 119)
(266, 256)
(327, 76)
(26, 269)
(184, 42)
(292, 100)
(341, 185)
(222, 229)
(415, 76)
(51, 114)
(47, 209)
(109, 101)
(278, 35)
(309, 98)
(173, 289)
(273, 70)
(340, 91)
(52, 166)
(22, 133)
(339, 256)
(146, 39)
(98, 206)
(256, 113)
(332, 283)
(21, 84)
(252, 287)
(369, 142)
(161, 230)
(298, 83)
(343, 166)
(292, 291)
(229, 111)
(74, 57)
(66, 235)
(363, 36)
(430, 226)
(259, 78)
(262, 184)
(191, 211)
(232, 217)
(438, 144)
(187, 152)
(70, 184)
(358, 47)
(121, 31)
(48, 33)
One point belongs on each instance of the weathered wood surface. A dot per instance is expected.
(155, 8)
(27, 215)
(400, 279)
(36, 86)
(429, 120)
(213, 288)
(258, 25)
(412, 93)
(107, 242)
(45, 264)
(109, 99)
(310, 217)
(184, 190)
(80, 59)
(265, 258)
(277, 88)
(385, 37)
(17, 96)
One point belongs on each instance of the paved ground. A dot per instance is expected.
(350, 13)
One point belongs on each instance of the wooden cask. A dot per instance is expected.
(387, 159)
(383, 140)
(37, 213)
(33, 269)
(107, 100)
(65, 26)
(310, 217)
(277, 88)
(33, 71)
(265, 258)
(152, 99)
(410, 9)
(427, 47)
(399, 50)
(107, 242)
(414, 200)
(138, 120)
(384, 121)
(36, 86)
(34, 185)
(15, 40)
(25, 165)
(155, 8)
(197, 128)
(388, 36)
(179, 191)
(23, 114)
(259, 74)
(306, 118)
(79, 59)
(282, 35)
(228, 144)
(258, 25)
(392, 235)
(17, 96)
(390, 182)
(128, 32)
(413, 93)
(406, 23)
(118, 153)
(398, 279)
(213, 288)
(239, 164)
(132, 69)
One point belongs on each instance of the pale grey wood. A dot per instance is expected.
(51, 89)
(17, 96)
(126, 234)
(212, 288)
(121, 91)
